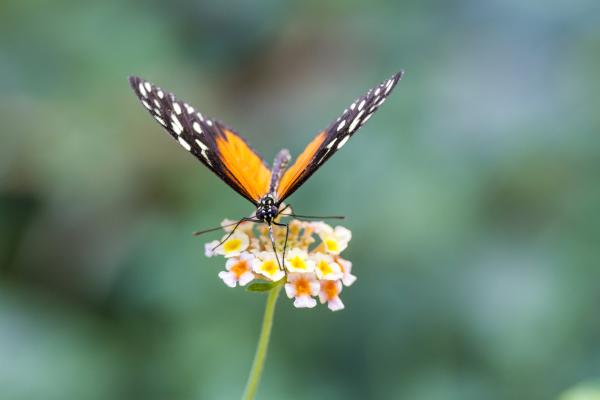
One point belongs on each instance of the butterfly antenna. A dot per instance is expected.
(198, 233)
(315, 217)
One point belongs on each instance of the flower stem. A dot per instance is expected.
(263, 344)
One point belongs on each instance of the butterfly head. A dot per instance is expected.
(267, 210)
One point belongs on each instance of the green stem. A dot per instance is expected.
(263, 344)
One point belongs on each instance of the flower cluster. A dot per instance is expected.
(312, 266)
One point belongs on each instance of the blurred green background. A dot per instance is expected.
(473, 198)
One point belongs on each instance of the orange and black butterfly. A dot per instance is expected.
(230, 157)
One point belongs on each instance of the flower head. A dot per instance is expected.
(297, 260)
(233, 245)
(302, 288)
(326, 268)
(334, 240)
(330, 294)
(266, 265)
(238, 270)
(312, 266)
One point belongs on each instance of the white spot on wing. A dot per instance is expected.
(341, 125)
(160, 93)
(178, 129)
(389, 86)
(204, 151)
(362, 104)
(200, 116)
(352, 106)
(365, 119)
(202, 145)
(160, 120)
(148, 86)
(177, 108)
(355, 122)
(189, 109)
(377, 91)
(184, 144)
(157, 103)
(343, 142)
(197, 127)
(209, 122)
(145, 103)
(176, 125)
(331, 143)
(142, 90)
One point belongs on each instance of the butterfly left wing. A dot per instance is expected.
(218, 147)
(327, 142)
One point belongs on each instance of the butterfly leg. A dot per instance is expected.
(287, 232)
(233, 230)
(274, 248)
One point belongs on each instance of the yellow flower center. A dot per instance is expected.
(331, 244)
(232, 245)
(298, 263)
(330, 289)
(302, 287)
(324, 267)
(269, 267)
(239, 268)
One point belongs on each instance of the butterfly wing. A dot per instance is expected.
(327, 142)
(222, 150)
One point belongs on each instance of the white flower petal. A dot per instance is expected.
(335, 304)
(290, 290)
(304, 302)
(315, 287)
(343, 234)
(348, 279)
(208, 248)
(228, 278)
(246, 278)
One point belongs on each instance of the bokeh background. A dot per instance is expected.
(473, 198)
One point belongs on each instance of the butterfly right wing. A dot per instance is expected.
(222, 150)
(327, 142)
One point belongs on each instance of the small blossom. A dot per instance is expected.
(266, 265)
(234, 245)
(326, 268)
(302, 287)
(297, 260)
(334, 240)
(330, 291)
(239, 270)
(346, 267)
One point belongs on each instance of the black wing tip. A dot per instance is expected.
(398, 75)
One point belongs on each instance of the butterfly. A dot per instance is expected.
(231, 158)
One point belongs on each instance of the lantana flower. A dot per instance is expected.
(266, 265)
(312, 267)
(334, 240)
(330, 293)
(297, 260)
(238, 270)
(233, 245)
(302, 288)
(326, 268)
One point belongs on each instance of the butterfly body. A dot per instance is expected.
(232, 159)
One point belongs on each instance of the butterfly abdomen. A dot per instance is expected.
(282, 159)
